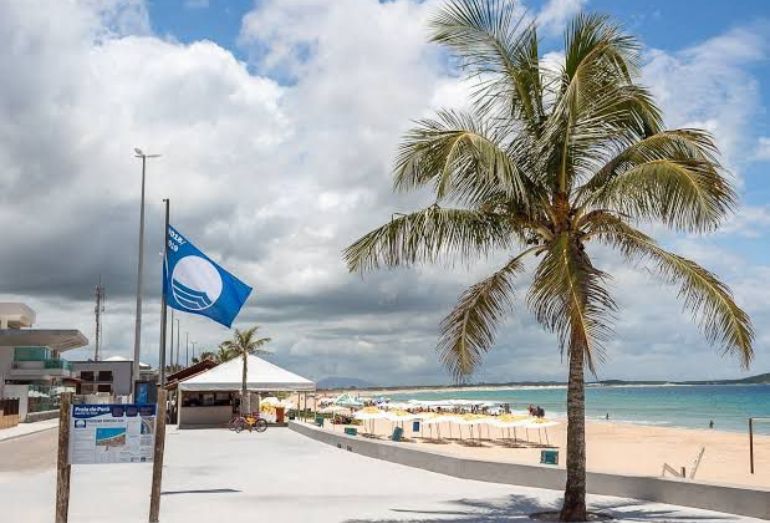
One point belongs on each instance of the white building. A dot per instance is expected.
(31, 365)
(33, 356)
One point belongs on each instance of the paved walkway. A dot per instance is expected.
(281, 476)
(23, 429)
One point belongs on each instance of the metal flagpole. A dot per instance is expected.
(171, 344)
(163, 308)
(178, 335)
(187, 349)
(138, 324)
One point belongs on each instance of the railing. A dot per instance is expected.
(42, 364)
(58, 364)
(44, 397)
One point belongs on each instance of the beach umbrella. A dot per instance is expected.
(470, 420)
(510, 421)
(348, 400)
(334, 410)
(540, 424)
(426, 419)
(399, 416)
(370, 414)
(431, 419)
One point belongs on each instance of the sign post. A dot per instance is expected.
(63, 466)
(157, 460)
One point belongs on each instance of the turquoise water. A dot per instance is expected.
(676, 406)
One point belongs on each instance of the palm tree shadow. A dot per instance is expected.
(520, 508)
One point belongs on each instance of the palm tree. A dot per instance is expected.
(224, 354)
(245, 343)
(206, 355)
(551, 160)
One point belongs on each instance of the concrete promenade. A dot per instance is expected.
(280, 475)
(24, 429)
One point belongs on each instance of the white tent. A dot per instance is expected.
(206, 399)
(262, 376)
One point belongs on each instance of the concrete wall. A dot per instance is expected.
(199, 417)
(722, 498)
(42, 415)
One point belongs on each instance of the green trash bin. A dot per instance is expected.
(549, 457)
(398, 433)
(351, 431)
(319, 420)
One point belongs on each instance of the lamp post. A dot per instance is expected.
(138, 325)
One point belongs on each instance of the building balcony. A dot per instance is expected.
(37, 370)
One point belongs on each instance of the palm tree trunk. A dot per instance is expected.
(245, 399)
(574, 508)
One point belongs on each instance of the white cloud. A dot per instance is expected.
(556, 14)
(762, 151)
(272, 175)
(708, 86)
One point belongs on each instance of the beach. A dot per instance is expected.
(617, 447)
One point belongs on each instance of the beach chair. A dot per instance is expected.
(549, 457)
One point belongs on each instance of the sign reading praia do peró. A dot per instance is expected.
(112, 434)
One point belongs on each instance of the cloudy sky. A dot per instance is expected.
(278, 121)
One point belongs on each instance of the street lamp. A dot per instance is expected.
(138, 326)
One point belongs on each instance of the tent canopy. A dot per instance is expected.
(262, 376)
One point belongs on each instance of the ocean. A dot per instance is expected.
(688, 406)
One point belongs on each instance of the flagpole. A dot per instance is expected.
(171, 342)
(138, 321)
(163, 308)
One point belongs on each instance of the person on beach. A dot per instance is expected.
(711, 424)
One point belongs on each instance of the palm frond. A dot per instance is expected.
(568, 297)
(244, 342)
(425, 235)
(710, 301)
(498, 45)
(462, 156)
(599, 61)
(469, 330)
(673, 177)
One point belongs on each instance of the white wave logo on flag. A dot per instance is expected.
(196, 283)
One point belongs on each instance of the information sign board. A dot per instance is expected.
(112, 433)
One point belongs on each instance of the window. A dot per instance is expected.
(104, 388)
(87, 375)
(105, 375)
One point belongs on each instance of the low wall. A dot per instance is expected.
(40, 416)
(204, 417)
(723, 498)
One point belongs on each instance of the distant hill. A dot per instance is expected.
(340, 382)
(355, 383)
(759, 379)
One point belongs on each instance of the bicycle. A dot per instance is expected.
(250, 422)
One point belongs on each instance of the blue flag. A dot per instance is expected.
(197, 285)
